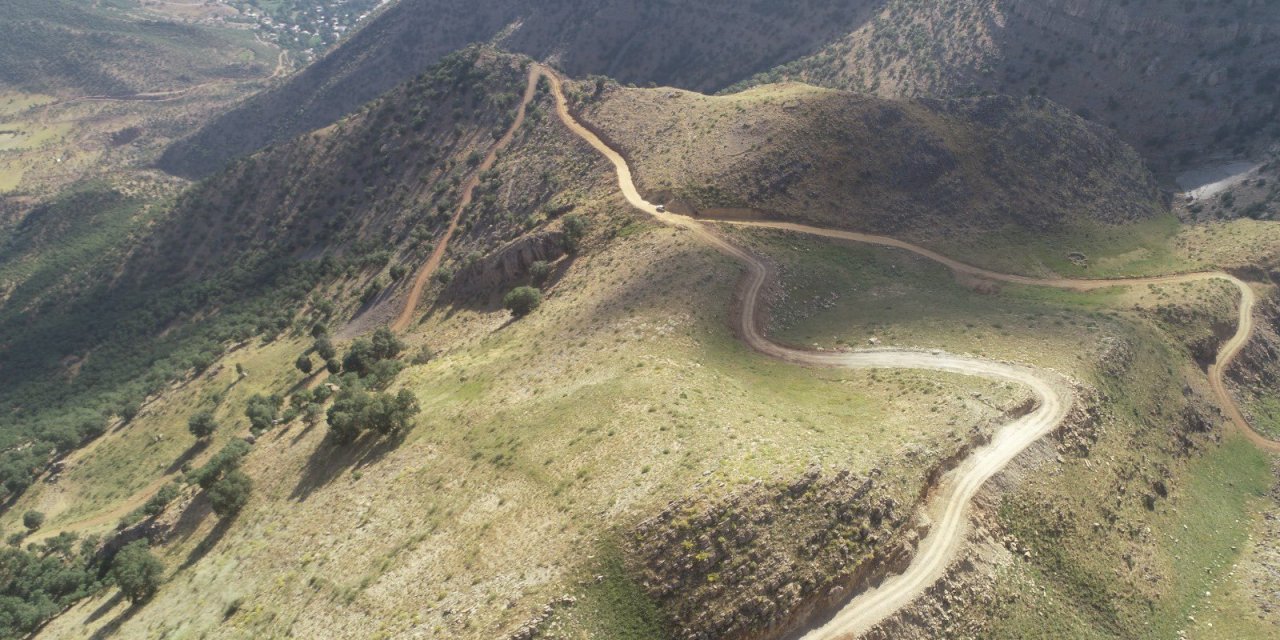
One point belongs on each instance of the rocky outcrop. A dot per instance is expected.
(772, 558)
(507, 266)
(737, 566)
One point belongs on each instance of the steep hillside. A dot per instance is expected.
(696, 44)
(611, 462)
(1176, 79)
(931, 169)
(63, 47)
(1179, 81)
(129, 299)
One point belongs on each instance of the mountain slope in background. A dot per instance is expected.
(1174, 78)
(702, 45)
(930, 168)
(60, 47)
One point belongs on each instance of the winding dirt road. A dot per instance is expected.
(427, 270)
(949, 507)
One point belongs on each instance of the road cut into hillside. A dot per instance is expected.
(948, 508)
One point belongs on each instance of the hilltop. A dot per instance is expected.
(931, 169)
(700, 45)
(1179, 81)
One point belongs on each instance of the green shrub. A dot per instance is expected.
(575, 226)
(202, 424)
(229, 494)
(222, 463)
(325, 349)
(539, 271)
(136, 571)
(521, 301)
(158, 502)
(32, 520)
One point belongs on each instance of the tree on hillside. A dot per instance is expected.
(385, 344)
(32, 520)
(262, 412)
(156, 504)
(230, 493)
(304, 364)
(60, 545)
(325, 349)
(202, 424)
(136, 571)
(538, 271)
(575, 226)
(356, 410)
(221, 464)
(521, 301)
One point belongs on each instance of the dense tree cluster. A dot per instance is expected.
(374, 359)
(137, 571)
(226, 486)
(40, 581)
(356, 410)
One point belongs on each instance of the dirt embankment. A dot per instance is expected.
(1255, 374)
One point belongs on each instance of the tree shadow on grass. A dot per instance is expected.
(189, 522)
(306, 380)
(194, 450)
(210, 541)
(302, 433)
(330, 459)
(102, 609)
(111, 628)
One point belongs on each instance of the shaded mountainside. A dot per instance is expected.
(134, 297)
(698, 44)
(1174, 78)
(57, 47)
(939, 168)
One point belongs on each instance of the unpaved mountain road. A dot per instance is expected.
(948, 508)
(949, 505)
(420, 280)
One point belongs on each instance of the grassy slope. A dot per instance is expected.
(949, 173)
(1191, 542)
(536, 439)
(112, 280)
(540, 436)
